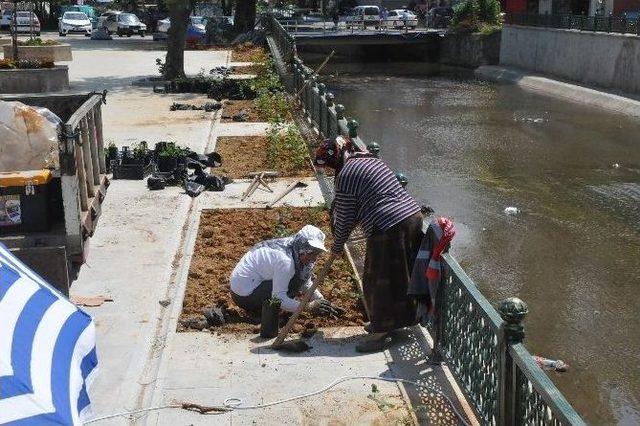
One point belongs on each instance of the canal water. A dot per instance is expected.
(471, 149)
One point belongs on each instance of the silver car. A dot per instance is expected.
(124, 24)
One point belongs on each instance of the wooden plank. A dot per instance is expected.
(48, 262)
(97, 120)
(81, 112)
(82, 179)
(86, 151)
(93, 144)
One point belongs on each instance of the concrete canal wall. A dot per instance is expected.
(610, 61)
(470, 50)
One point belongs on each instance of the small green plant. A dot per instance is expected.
(286, 148)
(172, 150)
(274, 302)
(140, 151)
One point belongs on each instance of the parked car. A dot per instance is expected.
(196, 27)
(74, 22)
(27, 22)
(124, 24)
(362, 16)
(5, 19)
(90, 11)
(400, 18)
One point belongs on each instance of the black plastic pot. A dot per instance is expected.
(167, 164)
(269, 321)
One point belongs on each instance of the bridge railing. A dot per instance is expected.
(608, 24)
(481, 345)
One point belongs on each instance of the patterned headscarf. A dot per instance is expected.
(296, 245)
(330, 153)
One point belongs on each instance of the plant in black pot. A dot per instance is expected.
(168, 157)
(111, 155)
(140, 154)
(269, 320)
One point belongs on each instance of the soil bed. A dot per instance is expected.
(245, 154)
(225, 236)
(232, 108)
(247, 53)
(248, 69)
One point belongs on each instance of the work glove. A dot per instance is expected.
(323, 307)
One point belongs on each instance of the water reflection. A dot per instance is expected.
(470, 150)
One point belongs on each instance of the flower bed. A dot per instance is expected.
(223, 238)
(245, 154)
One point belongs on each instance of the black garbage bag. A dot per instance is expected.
(210, 182)
(155, 183)
(193, 189)
(213, 159)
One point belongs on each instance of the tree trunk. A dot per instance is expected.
(179, 11)
(245, 17)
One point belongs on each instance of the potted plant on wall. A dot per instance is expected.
(134, 164)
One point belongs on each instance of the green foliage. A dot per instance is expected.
(271, 100)
(286, 148)
(477, 16)
(172, 150)
(10, 64)
(140, 150)
(37, 41)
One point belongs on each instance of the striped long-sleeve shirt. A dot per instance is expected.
(367, 192)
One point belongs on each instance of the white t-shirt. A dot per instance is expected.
(267, 264)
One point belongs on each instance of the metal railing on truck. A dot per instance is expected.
(82, 171)
(601, 23)
(481, 345)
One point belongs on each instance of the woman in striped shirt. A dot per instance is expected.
(367, 193)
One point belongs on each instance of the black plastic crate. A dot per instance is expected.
(131, 171)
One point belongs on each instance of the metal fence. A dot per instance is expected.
(608, 24)
(482, 346)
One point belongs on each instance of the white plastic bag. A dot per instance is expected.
(28, 138)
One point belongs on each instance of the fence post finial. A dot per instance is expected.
(340, 111)
(513, 310)
(330, 98)
(321, 88)
(353, 125)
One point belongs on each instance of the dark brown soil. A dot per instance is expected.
(232, 108)
(248, 69)
(225, 236)
(247, 53)
(245, 154)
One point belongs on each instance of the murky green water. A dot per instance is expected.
(470, 150)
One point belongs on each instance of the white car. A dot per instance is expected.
(196, 24)
(27, 22)
(362, 16)
(74, 22)
(400, 18)
(123, 24)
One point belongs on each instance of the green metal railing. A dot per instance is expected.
(608, 24)
(481, 345)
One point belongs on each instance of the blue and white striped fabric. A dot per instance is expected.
(47, 350)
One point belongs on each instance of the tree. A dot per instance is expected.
(179, 11)
(245, 18)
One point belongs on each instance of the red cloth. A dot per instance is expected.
(448, 232)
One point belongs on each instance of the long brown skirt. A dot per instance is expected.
(387, 272)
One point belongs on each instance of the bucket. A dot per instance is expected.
(269, 321)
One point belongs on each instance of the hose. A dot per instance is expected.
(233, 403)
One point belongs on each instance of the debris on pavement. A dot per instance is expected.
(243, 115)
(90, 301)
(164, 303)
(208, 107)
(551, 364)
(511, 211)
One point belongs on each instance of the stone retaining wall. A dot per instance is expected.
(34, 80)
(610, 61)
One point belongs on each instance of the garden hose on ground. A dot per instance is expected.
(232, 404)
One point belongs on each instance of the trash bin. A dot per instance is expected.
(24, 201)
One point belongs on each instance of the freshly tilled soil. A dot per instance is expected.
(223, 238)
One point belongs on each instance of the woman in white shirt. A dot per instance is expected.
(280, 268)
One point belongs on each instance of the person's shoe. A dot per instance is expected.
(374, 342)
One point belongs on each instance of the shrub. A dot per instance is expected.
(477, 16)
(24, 64)
(37, 41)
(286, 148)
